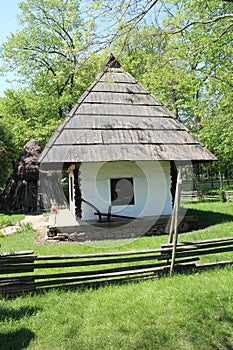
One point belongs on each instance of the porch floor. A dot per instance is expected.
(63, 222)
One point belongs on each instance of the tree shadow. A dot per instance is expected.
(7, 313)
(208, 218)
(17, 340)
(21, 338)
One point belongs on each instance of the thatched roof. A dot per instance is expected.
(118, 119)
(26, 167)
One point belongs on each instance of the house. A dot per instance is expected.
(119, 145)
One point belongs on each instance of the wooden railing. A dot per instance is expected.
(21, 272)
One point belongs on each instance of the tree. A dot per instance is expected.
(216, 132)
(186, 56)
(7, 153)
(53, 65)
(181, 50)
(49, 52)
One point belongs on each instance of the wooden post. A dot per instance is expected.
(109, 213)
(174, 221)
(176, 201)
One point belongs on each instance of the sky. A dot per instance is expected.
(8, 24)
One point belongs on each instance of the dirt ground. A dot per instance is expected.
(39, 223)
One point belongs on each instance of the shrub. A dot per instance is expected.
(24, 227)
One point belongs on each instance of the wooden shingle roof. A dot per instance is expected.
(118, 119)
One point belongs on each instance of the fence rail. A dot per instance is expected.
(208, 184)
(22, 272)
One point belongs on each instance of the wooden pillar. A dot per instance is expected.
(173, 236)
(71, 189)
(77, 191)
(173, 172)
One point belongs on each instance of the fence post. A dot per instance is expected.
(174, 221)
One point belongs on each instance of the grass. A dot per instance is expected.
(184, 312)
(10, 219)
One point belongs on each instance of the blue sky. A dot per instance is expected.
(8, 24)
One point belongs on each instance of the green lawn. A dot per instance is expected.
(187, 312)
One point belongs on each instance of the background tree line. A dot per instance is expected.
(180, 50)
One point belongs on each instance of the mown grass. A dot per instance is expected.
(187, 312)
(182, 312)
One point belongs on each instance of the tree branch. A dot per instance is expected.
(141, 15)
(216, 19)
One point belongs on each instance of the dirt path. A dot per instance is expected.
(39, 223)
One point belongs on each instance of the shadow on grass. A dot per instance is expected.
(19, 339)
(7, 313)
(16, 340)
(209, 218)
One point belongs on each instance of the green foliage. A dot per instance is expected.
(24, 227)
(7, 152)
(50, 55)
(216, 132)
(222, 196)
(10, 219)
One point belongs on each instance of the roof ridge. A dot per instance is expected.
(113, 62)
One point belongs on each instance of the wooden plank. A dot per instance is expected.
(198, 252)
(214, 264)
(17, 260)
(21, 252)
(221, 239)
(16, 288)
(109, 122)
(96, 262)
(87, 273)
(97, 284)
(123, 88)
(115, 152)
(9, 269)
(104, 275)
(123, 109)
(97, 255)
(201, 246)
(122, 98)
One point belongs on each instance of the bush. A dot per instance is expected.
(11, 219)
(24, 227)
(222, 196)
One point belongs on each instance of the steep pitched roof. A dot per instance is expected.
(118, 119)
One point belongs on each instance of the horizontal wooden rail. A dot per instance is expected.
(19, 253)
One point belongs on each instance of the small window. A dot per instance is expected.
(122, 191)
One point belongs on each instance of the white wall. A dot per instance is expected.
(152, 182)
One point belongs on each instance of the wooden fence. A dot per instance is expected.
(22, 272)
(207, 184)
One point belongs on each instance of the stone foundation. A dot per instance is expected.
(122, 229)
